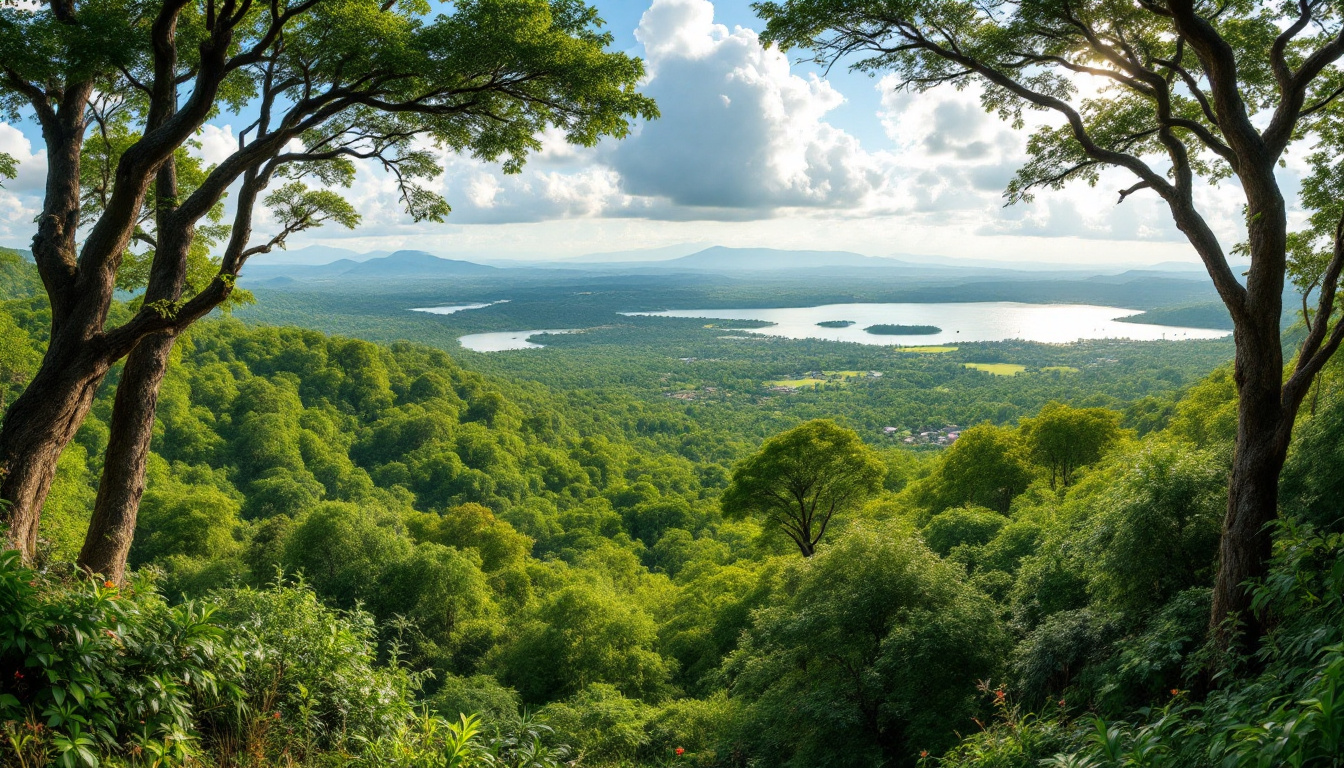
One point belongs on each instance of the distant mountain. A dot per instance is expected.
(314, 255)
(400, 265)
(719, 258)
(415, 264)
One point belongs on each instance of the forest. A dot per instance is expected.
(344, 547)
(292, 522)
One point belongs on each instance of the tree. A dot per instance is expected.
(985, 467)
(1195, 93)
(952, 528)
(1062, 439)
(579, 636)
(801, 478)
(864, 655)
(327, 82)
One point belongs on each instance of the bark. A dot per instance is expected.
(107, 542)
(112, 527)
(37, 427)
(1252, 503)
(1264, 415)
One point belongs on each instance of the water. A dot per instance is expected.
(501, 341)
(455, 308)
(961, 321)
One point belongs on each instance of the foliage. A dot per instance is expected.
(579, 637)
(92, 670)
(952, 528)
(1062, 439)
(986, 467)
(868, 652)
(800, 479)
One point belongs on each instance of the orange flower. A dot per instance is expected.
(275, 715)
(1175, 692)
(923, 753)
(110, 584)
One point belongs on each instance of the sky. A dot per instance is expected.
(752, 150)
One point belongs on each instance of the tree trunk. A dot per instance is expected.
(112, 528)
(1253, 494)
(37, 427)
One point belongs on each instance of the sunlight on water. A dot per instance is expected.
(965, 321)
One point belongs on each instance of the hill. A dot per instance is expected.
(415, 264)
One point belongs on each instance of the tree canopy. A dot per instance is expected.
(801, 478)
(1178, 95)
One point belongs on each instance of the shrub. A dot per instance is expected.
(94, 671)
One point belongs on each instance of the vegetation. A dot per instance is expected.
(1196, 94)
(332, 82)
(800, 479)
(998, 369)
(903, 330)
(359, 545)
(373, 541)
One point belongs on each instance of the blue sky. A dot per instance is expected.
(752, 150)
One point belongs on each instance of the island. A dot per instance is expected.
(835, 323)
(903, 330)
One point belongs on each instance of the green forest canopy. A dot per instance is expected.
(523, 546)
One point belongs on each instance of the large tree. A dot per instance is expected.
(318, 85)
(801, 478)
(1193, 92)
(1063, 439)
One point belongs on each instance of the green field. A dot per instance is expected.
(929, 350)
(827, 377)
(998, 369)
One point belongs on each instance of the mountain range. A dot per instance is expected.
(322, 263)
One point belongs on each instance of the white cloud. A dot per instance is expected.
(20, 197)
(739, 132)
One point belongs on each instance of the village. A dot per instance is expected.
(945, 435)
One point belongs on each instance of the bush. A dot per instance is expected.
(93, 672)
(866, 653)
(97, 675)
(974, 526)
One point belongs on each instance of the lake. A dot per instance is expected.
(501, 341)
(962, 321)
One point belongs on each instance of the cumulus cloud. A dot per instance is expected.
(739, 130)
(20, 197)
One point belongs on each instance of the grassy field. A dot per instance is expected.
(828, 377)
(931, 350)
(998, 369)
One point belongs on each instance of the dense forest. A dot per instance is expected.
(283, 519)
(346, 547)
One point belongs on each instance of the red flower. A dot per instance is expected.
(680, 751)
(275, 715)
(18, 675)
(923, 753)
